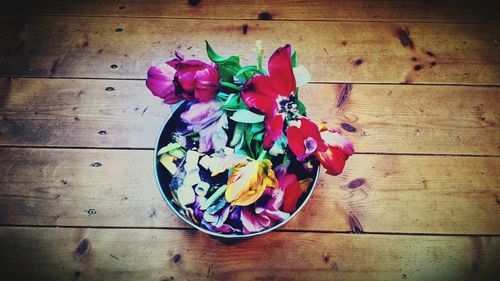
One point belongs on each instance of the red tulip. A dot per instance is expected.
(304, 138)
(292, 189)
(339, 150)
(180, 79)
(272, 94)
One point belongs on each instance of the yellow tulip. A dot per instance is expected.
(248, 180)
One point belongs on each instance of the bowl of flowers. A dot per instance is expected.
(238, 156)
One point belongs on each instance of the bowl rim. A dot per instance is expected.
(174, 109)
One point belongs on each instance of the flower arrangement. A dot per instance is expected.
(242, 158)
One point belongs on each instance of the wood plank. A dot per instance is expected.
(372, 52)
(380, 118)
(95, 113)
(418, 11)
(146, 254)
(376, 193)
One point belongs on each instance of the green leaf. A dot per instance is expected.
(301, 107)
(173, 149)
(222, 96)
(279, 146)
(193, 134)
(258, 148)
(178, 153)
(216, 57)
(258, 137)
(238, 133)
(253, 137)
(169, 147)
(230, 85)
(246, 116)
(234, 102)
(248, 138)
(247, 72)
(228, 67)
(257, 127)
(294, 59)
(285, 158)
(241, 152)
(240, 145)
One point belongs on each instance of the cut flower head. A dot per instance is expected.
(338, 151)
(248, 180)
(180, 79)
(273, 94)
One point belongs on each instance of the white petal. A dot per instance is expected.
(186, 195)
(201, 189)
(302, 75)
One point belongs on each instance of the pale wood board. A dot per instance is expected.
(376, 193)
(28, 253)
(380, 118)
(78, 195)
(365, 52)
(418, 11)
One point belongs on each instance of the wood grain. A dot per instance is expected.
(378, 118)
(418, 11)
(376, 193)
(367, 52)
(79, 113)
(78, 198)
(144, 254)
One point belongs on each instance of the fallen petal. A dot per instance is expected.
(185, 195)
(252, 222)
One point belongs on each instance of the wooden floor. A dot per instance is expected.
(419, 201)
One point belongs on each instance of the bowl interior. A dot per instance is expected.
(163, 178)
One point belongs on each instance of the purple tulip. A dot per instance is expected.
(265, 212)
(215, 217)
(209, 120)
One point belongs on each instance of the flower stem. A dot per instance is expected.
(217, 194)
(262, 155)
(260, 53)
(223, 96)
(285, 158)
(230, 85)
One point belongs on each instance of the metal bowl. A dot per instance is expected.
(163, 179)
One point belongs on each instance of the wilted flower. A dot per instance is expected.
(161, 83)
(215, 216)
(248, 180)
(209, 120)
(265, 212)
(180, 79)
(273, 94)
(338, 151)
(292, 189)
(304, 138)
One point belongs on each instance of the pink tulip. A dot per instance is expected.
(180, 79)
